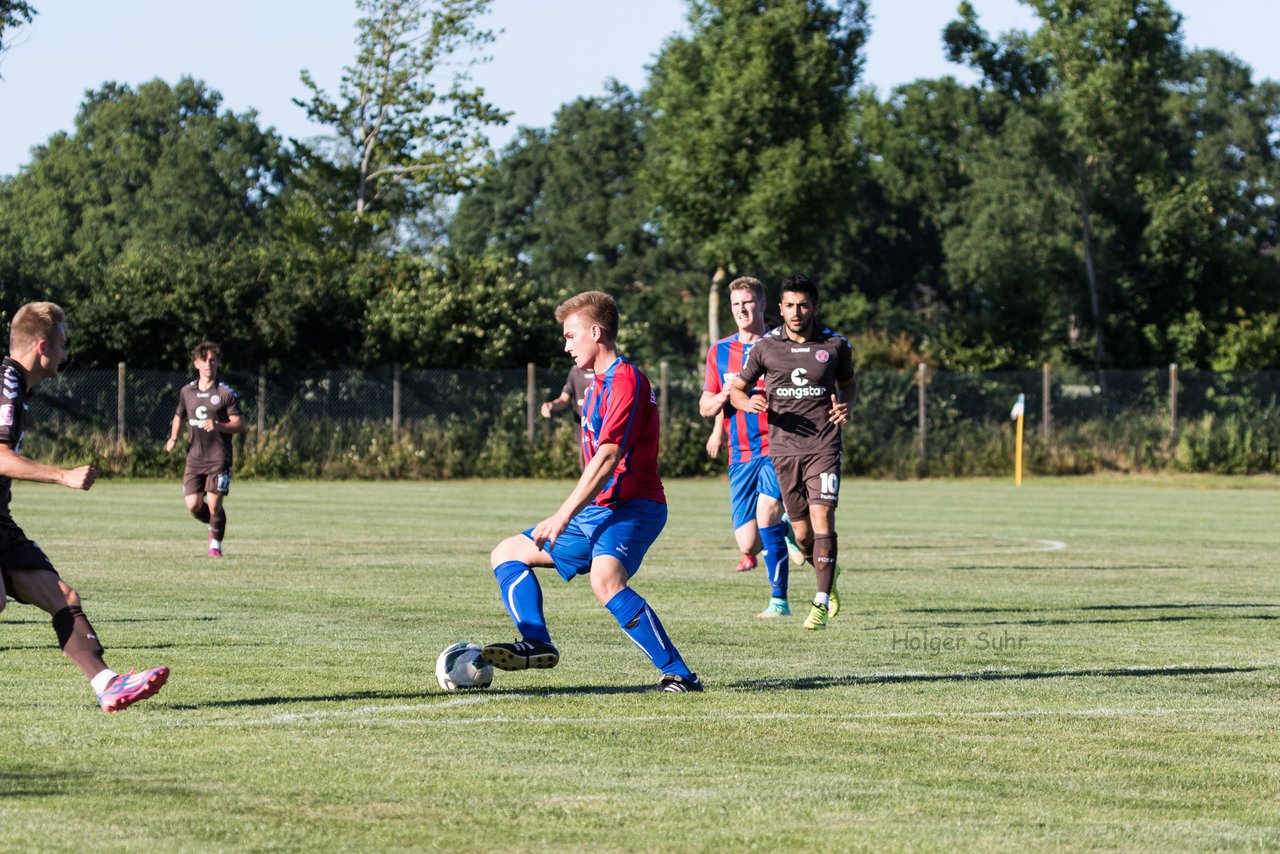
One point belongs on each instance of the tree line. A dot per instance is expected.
(1102, 197)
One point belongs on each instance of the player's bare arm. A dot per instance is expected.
(18, 467)
(173, 433)
(556, 405)
(233, 425)
(741, 397)
(713, 404)
(848, 395)
(593, 479)
(716, 439)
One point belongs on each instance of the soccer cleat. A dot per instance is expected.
(747, 563)
(521, 655)
(834, 607)
(128, 689)
(673, 684)
(776, 608)
(817, 619)
(215, 547)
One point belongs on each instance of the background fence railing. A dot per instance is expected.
(486, 422)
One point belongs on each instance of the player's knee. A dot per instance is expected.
(606, 588)
(512, 548)
(69, 595)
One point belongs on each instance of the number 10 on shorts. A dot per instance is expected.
(830, 485)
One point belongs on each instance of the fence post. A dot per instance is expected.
(1045, 413)
(531, 406)
(262, 403)
(922, 466)
(395, 404)
(1173, 401)
(120, 404)
(662, 399)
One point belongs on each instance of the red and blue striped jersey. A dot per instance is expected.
(621, 409)
(748, 431)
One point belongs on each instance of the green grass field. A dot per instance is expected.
(1076, 663)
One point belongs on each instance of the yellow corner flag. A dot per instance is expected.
(1016, 413)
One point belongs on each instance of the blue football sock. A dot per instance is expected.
(645, 630)
(522, 597)
(776, 562)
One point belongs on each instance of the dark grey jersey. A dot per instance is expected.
(207, 452)
(13, 419)
(799, 379)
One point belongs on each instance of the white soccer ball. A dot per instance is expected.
(460, 666)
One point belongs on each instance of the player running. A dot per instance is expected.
(37, 348)
(211, 409)
(809, 384)
(612, 516)
(755, 501)
(575, 389)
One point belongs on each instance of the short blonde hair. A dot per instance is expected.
(599, 308)
(34, 322)
(748, 283)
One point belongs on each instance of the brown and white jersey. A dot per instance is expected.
(799, 379)
(13, 419)
(207, 452)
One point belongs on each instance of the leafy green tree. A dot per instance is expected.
(565, 202)
(459, 313)
(402, 140)
(1097, 73)
(750, 152)
(13, 14)
(155, 165)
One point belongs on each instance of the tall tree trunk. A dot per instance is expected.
(713, 304)
(1084, 187)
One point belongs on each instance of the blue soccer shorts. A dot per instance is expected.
(748, 481)
(624, 532)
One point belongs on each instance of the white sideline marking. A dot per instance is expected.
(355, 714)
(368, 714)
(1018, 545)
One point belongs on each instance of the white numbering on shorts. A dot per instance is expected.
(830, 483)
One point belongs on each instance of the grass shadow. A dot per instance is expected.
(1178, 606)
(809, 683)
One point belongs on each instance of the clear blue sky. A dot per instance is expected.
(550, 51)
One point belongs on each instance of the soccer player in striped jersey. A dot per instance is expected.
(612, 516)
(755, 500)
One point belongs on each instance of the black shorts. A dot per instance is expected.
(808, 480)
(18, 553)
(217, 482)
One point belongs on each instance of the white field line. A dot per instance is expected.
(1016, 545)
(377, 714)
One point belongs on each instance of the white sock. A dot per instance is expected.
(215, 544)
(822, 599)
(102, 680)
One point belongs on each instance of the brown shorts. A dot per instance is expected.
(218, 482)
(808, 480)
(17, 553)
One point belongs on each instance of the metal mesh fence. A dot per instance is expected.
(899, 415)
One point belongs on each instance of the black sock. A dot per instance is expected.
(78, 641)
(824, 561)
(202, 513)
(218, 524)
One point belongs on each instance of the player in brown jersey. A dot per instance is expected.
(37, 348)
(572, 395)
(809, 384)
(211, 410)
